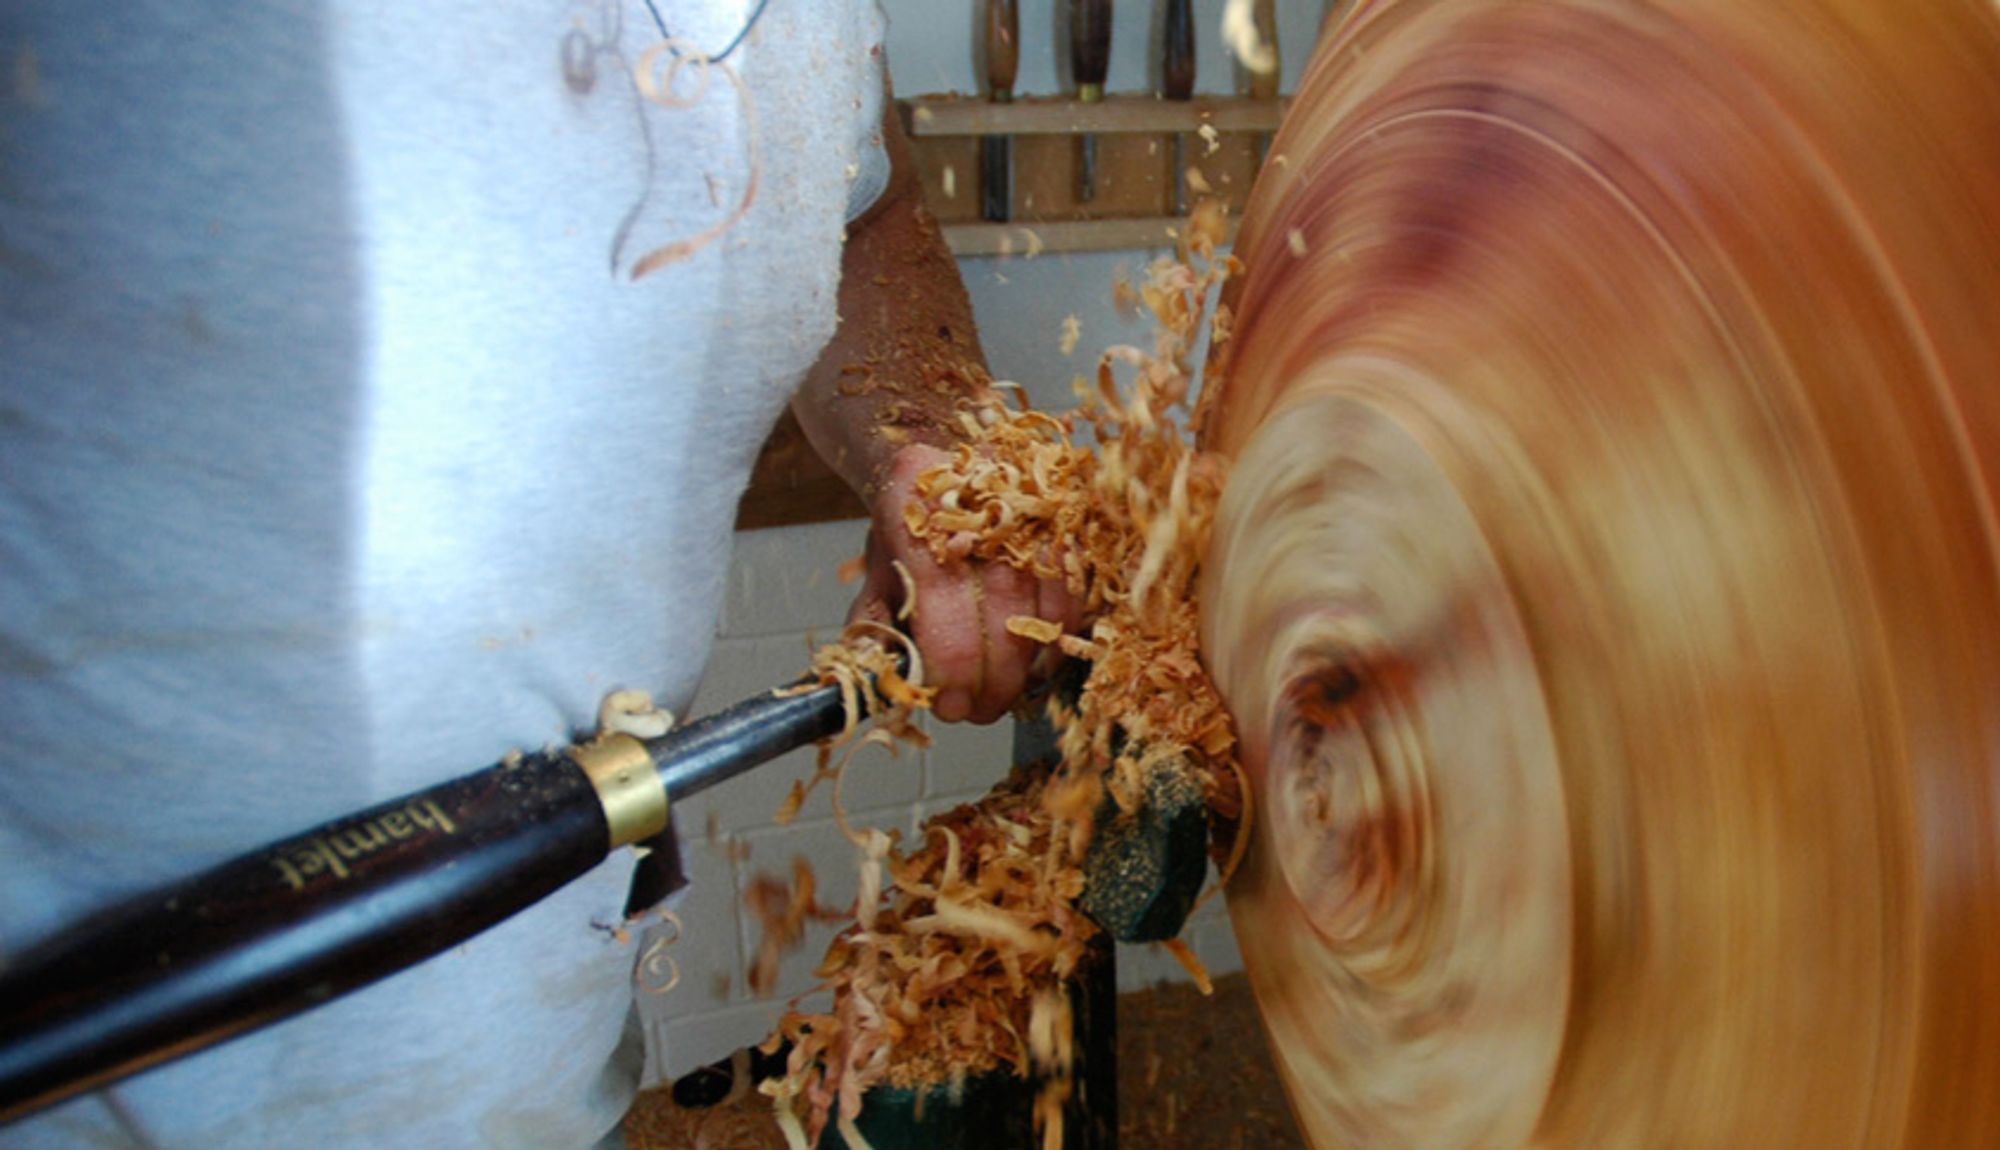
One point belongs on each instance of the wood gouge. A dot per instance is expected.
(307, 919)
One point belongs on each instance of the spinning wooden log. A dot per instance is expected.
(1608, 586)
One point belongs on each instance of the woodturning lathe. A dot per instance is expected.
(1608, 586)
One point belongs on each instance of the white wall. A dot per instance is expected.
(782, 590)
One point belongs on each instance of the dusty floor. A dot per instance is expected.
(1192, 1072)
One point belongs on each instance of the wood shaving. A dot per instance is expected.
(909, 606)
(1072, 333)
(1029, 627)
(661, 89)
(658, 972)
(633, 713)
(1239, 32)
(1185, 955)
(960, 951)
(782, 910)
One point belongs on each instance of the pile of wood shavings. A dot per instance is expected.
(1124, 527)
(960, 965)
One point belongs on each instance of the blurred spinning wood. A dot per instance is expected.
(1607, 587)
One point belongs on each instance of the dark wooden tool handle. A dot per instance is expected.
(1177, 71)
(1264, 85)
(1090, 44)
(1003, 47)
(273, 933)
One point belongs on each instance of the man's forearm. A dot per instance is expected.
(906, 354)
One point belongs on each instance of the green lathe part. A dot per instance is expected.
(992, 1112)
(1145, 867)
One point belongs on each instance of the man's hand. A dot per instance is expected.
(906, 358)
(962, 607)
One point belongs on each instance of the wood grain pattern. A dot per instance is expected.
(1608, 590)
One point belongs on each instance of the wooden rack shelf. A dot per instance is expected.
(1145, 148)
(965, 116)
(1029, 238)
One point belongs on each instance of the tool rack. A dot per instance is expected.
(1134, 204)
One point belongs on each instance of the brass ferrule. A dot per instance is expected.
(1090, 93)
(628, 785)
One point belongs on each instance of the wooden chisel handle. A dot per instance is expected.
(1003, 61)
(1264, 85)
(1090, 46)
(1090, 60)
(1003, 48)
(1177, 70)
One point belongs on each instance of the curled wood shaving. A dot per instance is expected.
(1029, 627)
(848, 1130)
(659, 972)
(1196, 970)
(632, 712)
(661, 89)
(909, 606)
(1051, 1037)
(1239, 32)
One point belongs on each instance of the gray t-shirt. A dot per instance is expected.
(340, 453)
